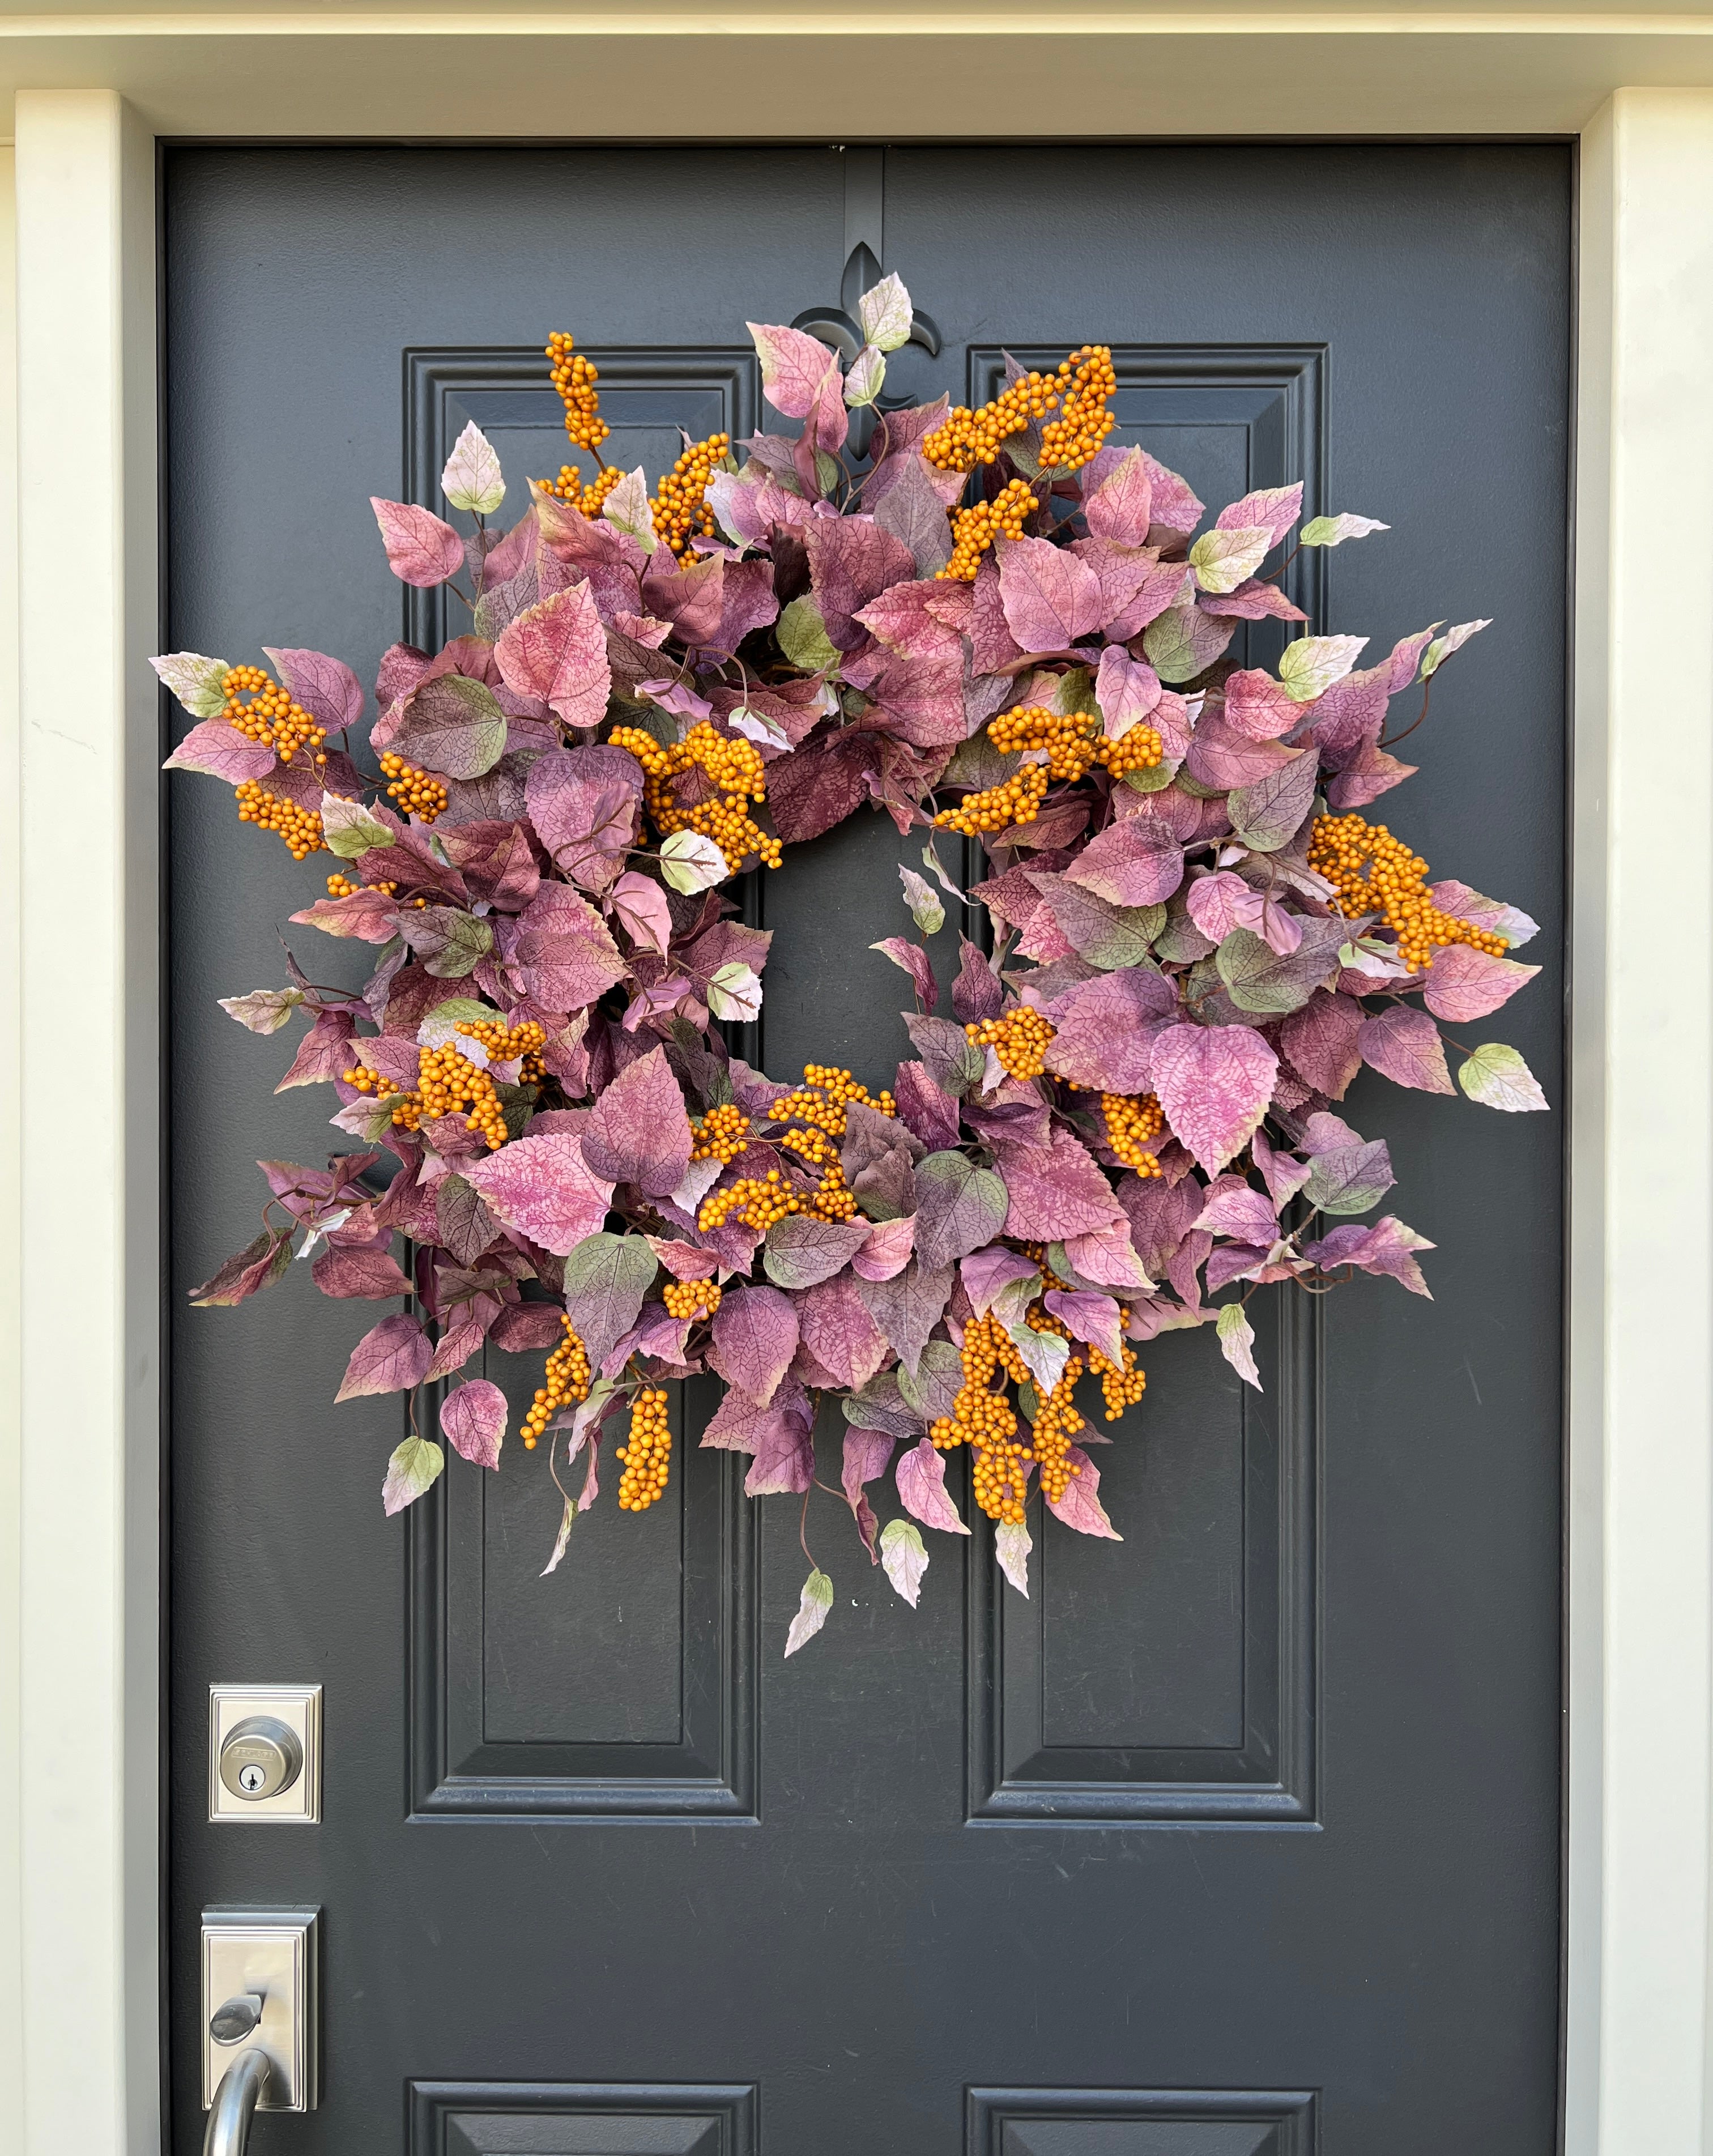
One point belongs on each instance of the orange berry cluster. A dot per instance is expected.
(447, 1085)
(300, 828)
(1020, 1040)
(1372, 872)
(341, 886)
(974, 530)
(1017, 801)
(691, 1298)
(566, 1377)
(681, 509)
(984, 1419)
(414, 791)
(270, 717)
(506, 1042)
(648, 1456)
(965, 438)
(823, 1098)
(1084, 422)
(575, 379)
(757, 1202)
(1071, 742)
(1057, 1422)
(1132, 1121)
(569, 487)
(721, 1134)
(1122, 1386)
(733, 766)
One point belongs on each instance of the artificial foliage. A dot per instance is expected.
(1121, 1116)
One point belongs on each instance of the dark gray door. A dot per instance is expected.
(1240, 1836)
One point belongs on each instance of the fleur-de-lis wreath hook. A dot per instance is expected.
(838, 328)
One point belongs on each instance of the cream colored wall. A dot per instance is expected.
(78, 1614)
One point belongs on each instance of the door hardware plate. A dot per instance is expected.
(274, 1953)
(299, 1707)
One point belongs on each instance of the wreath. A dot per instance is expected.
(990, 623)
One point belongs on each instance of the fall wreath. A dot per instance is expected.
(992, 622)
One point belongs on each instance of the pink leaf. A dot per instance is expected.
(1094, 1318)
(1272, 509)
(989, 1272)
(558, 651)
(1404, 1045)
(887, 1251)
(1238, 1210)
(643, 912)
(1106, 1028)
(368, 915)
(1176, 510)
(1055, 1190)
(1108, 1256)
(545, 1189)
(754, 1337)
(1320, 1041)
(1223, 901)
(1259, 707)
(1135, 863)
(795, 368)
(421, 549)
(1214, 1083)
(1465, 984)
(1127, 690)
(914, 961)
(638, 1132)
(838, 1332)
(921, 1478)
(394, 1357)
(1220, 757)
(784, 1462)
(326, 688)
(372, 1275)
(1049, 598)
(222, 751)
(567, 957)
(1080, 1507)
(473, 1422)
(1121, 506)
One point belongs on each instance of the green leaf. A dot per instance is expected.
(1257, 979)
(803, 639)
(883, 314)
(1498, 1077)
(827, 471)
(923, 902)
(1222, 560)
(1332, 531)
(263, 1010)
(1237, 1342)
(349, 829)
(691, 862)
(1441, 649)
(410, 1471)
(453, 726)
(1012, 1545)
(473, 479)
(566, 1522)
(606, 1278)
(195, 680)
(904, 1558)
(468, 940)
(628, 509)
(1153, 778)
(862, 384)
(1308, 668)
(811, 1610)
(447, 1016)
(933, 1386)
(735, 991)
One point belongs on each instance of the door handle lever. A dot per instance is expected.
(228, 2132)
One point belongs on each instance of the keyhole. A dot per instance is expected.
(250, 1779)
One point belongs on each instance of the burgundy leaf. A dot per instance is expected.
(1049, 598)
(370, 1274)
(392, 1358)
(840, 1333)
(907, 1307)
(473, 1422)
(1465, 984)
(1054, 1190)
(1404, 1045)
(1106, 1028)
(1320, 1040)
(543, 1187)
(326, 688)
(755, 1336)
(1135, 863)
(851, 561)
(638, 1132)
(526, 1328)
(1221, 757)
(925, 1108)
(557, 651)
(567, 957)
(584, 804)
(1214, 1083)
(1120, 507)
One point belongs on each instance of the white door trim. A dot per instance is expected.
(80, 1278)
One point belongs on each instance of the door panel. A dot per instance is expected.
(1240, 1836)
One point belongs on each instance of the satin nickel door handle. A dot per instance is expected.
(241, 2086)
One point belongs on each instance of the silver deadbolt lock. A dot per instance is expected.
(259, 1757)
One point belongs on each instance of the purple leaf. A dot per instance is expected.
(545, 1189)
(1240, 1211)
(1127, 690)
(372, 1275)
(246, 1273)
(638, 1132)
(976, 993)
(925, 1108)
(583, 802)
(1160, 1215)
(1106, 1030)
(950, 1058)
(1219, 756)
(840, 1333)
(1135, 863)
(1465, 984)
(784, 1462)
(1055, 1190)
(222, 751)
(1221, 902)
(1049, 598)
(1320, 1040)
(421, 549)
(326, 688)
(795, 368)
(1350, 1178)
(394, 1357)
(1387, 1247)
(1080, 1507)
(1214, 1083)
(1259, 707)
(525, 1328)
(1273, 509)
(1107, 1257)
(988, 1273)
(907, 1307)
(867, 1454)
(473, 1422)
(851, 561)
(801, 1250)
(1404, 1045)
(920, 1477)
(754, 1337)
(1094, 1318)
(1270, 810)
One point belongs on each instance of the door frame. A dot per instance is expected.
(80, 1510)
